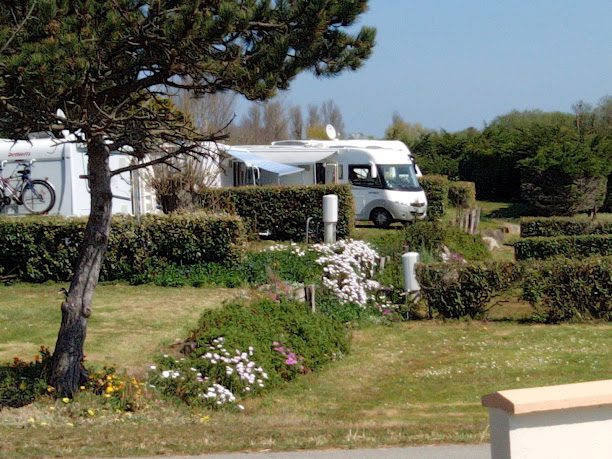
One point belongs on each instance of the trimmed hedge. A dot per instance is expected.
(41, 249)
(571, 289)
(462, 194)
(436, 190)
(282, 210)
(456, 290)
(565, 246)
(562, 226)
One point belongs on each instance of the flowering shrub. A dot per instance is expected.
(264, 343)
(348, 267)
(122, 393)
(216, 379)
(293, 361)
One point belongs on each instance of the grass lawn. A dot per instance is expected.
(128, 325)
(404, 383)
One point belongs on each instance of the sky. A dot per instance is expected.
(453, 64)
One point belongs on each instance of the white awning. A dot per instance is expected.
(253, 160)
(293, 155)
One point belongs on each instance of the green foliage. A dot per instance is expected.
(256, 268)
(462, 194)
(441, 152)
(565, 177)
(562, 290)
(562, 226)
(455, 290)
(315, 340)
(563, 246)
(60, 44)
(436, 190)
(283, 210)
(41, 249)
(23, 382)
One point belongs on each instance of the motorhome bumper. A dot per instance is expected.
(406, 212)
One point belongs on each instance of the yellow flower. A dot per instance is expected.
(91, 412)
(82, 387)
(70, 424)
(109, 390)
(107, 395)
(50, 389)
(66, 400)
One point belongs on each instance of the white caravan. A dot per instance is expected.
(383, 174)
(64, 164)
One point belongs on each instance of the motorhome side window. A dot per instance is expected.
(361, 175)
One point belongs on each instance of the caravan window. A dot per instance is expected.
(361, 175)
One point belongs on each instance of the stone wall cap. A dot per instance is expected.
(548, 398)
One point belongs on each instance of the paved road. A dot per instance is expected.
(414, 452)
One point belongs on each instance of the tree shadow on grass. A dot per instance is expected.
(513, 210)
(21, 383)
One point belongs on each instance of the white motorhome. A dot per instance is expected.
(383, 174)
(64, 164)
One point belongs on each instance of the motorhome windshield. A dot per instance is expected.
(398, 177)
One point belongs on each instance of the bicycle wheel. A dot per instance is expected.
(38, 196)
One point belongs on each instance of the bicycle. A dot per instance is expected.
(37, 196)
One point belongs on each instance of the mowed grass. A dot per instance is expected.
(402, 384)
(127, 327)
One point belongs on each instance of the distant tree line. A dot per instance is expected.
(263, 122)
(559, 163)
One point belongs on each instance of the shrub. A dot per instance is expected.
(563, 290)
(41, 249)
(564, 246)
(436, 190)
(562, 226)
(280, 339)
(454, 290)
(565, 177)
(283, 210)
(462, 194)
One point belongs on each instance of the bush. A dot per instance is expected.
(562, 226)
(454, 290)
(41, 249)
(462, 194)
(281, 339)
(283, 210)
(563, 290)
(565, 177)
(436, 190)
(563, 246)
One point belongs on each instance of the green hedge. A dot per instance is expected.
(455, 290)
(565, 246)
(283, 210)
(41, 249)
(562, 226)
(570, 289)
(436, 190)
(462, 194)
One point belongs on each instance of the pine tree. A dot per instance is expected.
(109, 65)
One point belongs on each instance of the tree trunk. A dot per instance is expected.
(67, 372)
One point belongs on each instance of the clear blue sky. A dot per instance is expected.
(453, 64)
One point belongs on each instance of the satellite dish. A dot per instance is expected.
(331, 132)
(60, 114)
